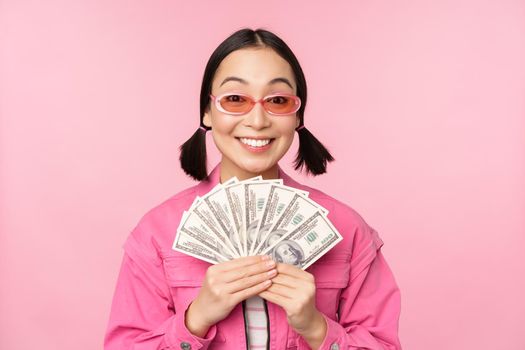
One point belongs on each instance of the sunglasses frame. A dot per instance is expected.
(216, 100)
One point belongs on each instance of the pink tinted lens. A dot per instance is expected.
(275, 104)
(281, 104)
(236, 103)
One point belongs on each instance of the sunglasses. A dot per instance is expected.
(235, 103)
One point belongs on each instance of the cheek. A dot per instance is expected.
(286, 128)
(223, 124)
(222, 130)
(290, 123)
(287, 137)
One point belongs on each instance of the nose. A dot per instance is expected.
(257, 118)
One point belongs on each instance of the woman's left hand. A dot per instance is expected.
(294, 290)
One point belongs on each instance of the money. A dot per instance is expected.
(255, 198)
(278, 198)
(217, 202)
(256, 216)
(306, 243)
(299, 209)
(192, 226)
(187, 245)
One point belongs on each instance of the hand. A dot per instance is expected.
(225, 285)
(294, 290)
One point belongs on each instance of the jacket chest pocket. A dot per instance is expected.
(331, 277)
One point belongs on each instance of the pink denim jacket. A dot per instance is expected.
(356, 290)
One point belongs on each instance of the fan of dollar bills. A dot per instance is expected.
(256, 216)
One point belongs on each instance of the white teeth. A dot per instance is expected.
(255, 143)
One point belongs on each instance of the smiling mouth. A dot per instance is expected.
(254, 142)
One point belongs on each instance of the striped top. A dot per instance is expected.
(256, 323)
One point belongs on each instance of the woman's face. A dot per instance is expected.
(257, 68)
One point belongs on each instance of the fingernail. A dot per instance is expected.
(265, 257)
(270, 263)
(272, 272)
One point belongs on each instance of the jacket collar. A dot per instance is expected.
(214, 178)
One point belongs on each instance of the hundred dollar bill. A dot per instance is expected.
(306, 243)
(189, 246)
(298, 210)
(218, 204)
(211, 220)
(206, 216)
(192, 226)
(255, 195)
(235, 199)
(278, 198)
(215, 188)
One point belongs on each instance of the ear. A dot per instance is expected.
(206, 120)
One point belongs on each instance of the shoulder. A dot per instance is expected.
(155, 231)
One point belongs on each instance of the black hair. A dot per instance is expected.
(311, 154)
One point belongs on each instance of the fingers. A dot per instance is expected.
(289, 281)
(240, 262)
(247, 282)
(284, 291)
(274, 298)
(244, 277)
(246, 271)
(251, 291)
(293, 284)
(291, 270)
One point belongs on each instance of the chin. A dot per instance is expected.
(256, 167)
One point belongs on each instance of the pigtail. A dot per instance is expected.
(193, 155)
(311, 153)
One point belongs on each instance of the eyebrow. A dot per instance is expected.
(242, 81)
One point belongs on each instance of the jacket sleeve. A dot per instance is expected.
(142, 315)
(369, 306)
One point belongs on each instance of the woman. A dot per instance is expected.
(348, 299)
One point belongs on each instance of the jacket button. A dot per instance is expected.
(334, 346)
(187, 346)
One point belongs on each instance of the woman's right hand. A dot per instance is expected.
(225, 285)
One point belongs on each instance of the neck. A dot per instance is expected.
(229, 170)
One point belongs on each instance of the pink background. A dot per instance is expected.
(422, 104)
